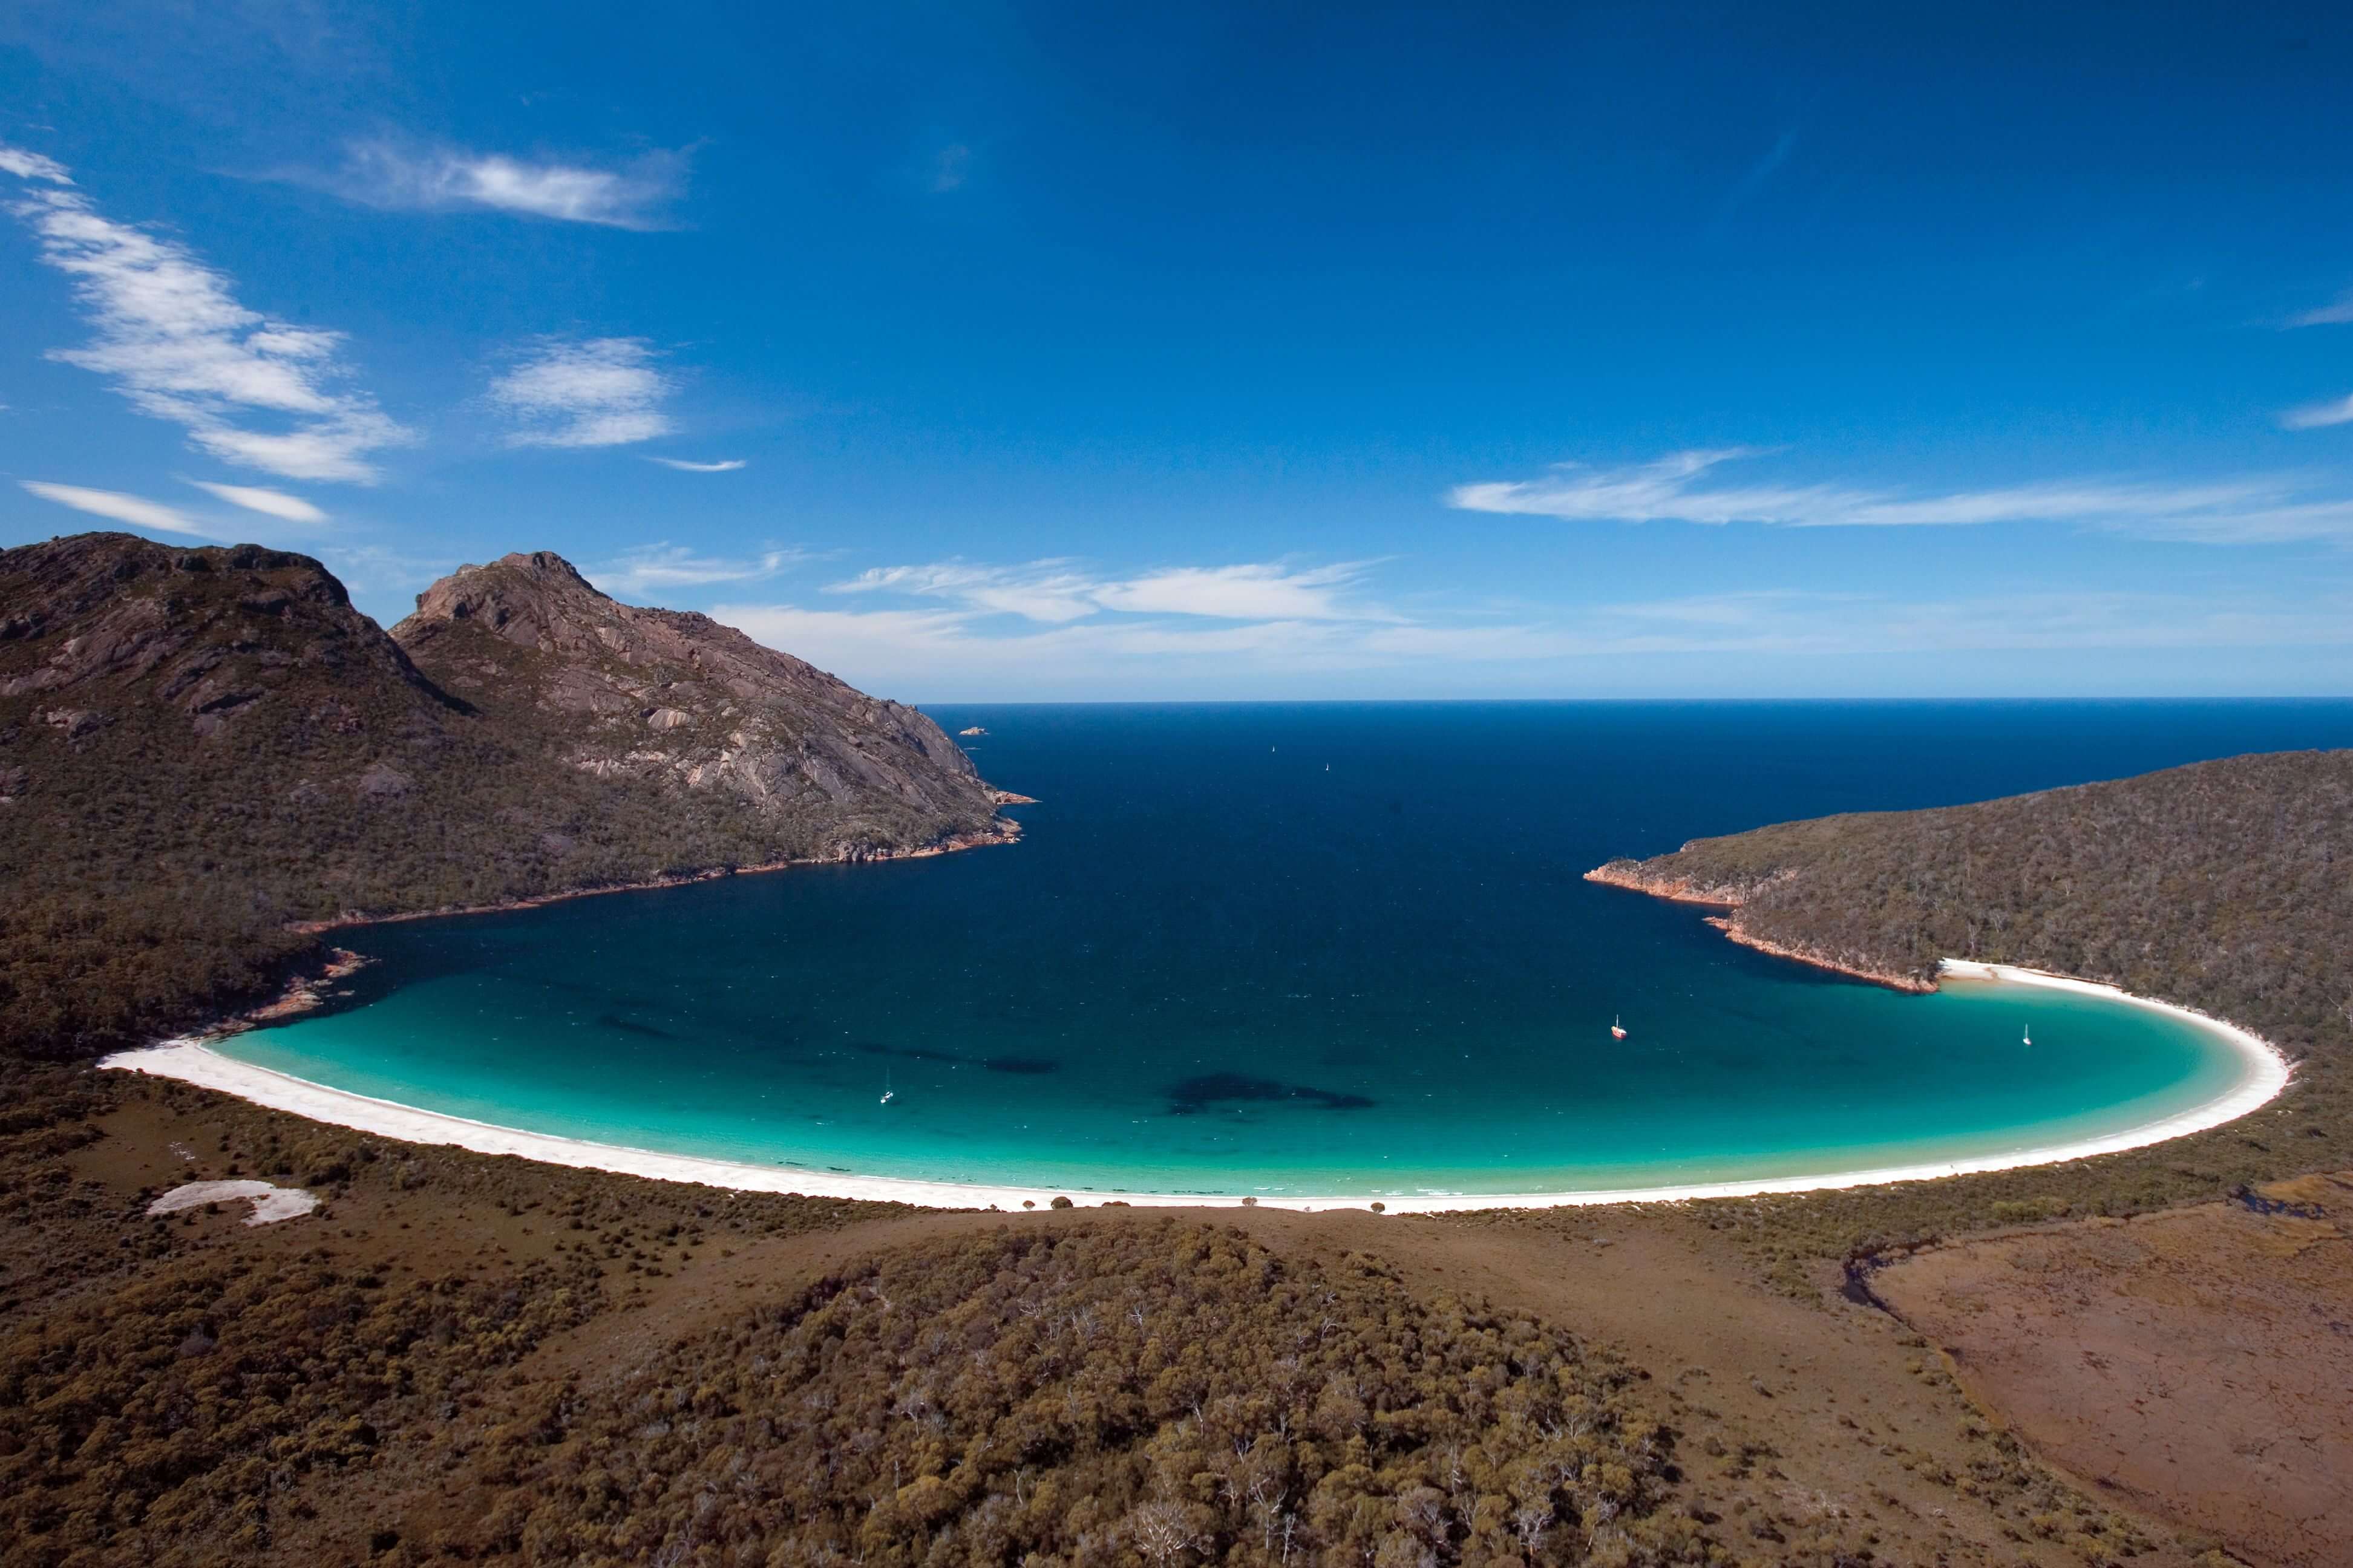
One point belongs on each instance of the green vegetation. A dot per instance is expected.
(2220, 886)
(1154, 1392)
(182, 1390)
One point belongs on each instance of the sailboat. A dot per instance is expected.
(1617, 1029)
(2029, 1036)
(887, 1090)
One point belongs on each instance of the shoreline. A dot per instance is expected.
(190, 1060)
(1629, 876)
(1004, 830)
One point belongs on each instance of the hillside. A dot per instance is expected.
(2221, 886)
(198, 746)
(693, 710)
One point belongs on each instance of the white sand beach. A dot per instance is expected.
(2265, 1073)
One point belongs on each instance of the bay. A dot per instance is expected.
(1329, 948)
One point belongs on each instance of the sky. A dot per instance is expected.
(1071, 351)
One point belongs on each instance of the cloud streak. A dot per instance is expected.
(114, 506)
(269, 503)
(2319, 416)
(1681, 487)
(650, 568)
(686, 465)
(601, 391)
(2336, 314)
(171, 336)
(401, 177)
(1056, 592)
(904, 648)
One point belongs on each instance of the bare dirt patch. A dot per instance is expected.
(2197, 1364)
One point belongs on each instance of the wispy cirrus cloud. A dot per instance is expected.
(951, 165)
(27, 165)
(1058, 591)
(171, 336)
(115, 506)
(688, 465)
(902, 648)
(649, 568)
(403, 176)
(1681, 487)
(2337, 312)
(1047, 591)
(597, 392)
(1260, 592)
(268, 502)
(2319, 416)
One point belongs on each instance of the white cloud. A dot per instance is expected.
(1056, 592)
(269, 503)
(383, 569)
(174, 342)
(602, 392)
(2336, 314)
(1046, 591)
(651, 567)
(1774, 622)
(33, 166)
(950, 167)
(2317, 415)
(2258, 509)
(136, 511)
(909, 648)
(1242, 593)
(684, 466)
(382, 173)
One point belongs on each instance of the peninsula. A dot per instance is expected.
(2217, 886)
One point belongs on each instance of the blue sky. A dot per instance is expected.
(1049, 351)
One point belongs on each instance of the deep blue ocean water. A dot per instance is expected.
(1340, 948)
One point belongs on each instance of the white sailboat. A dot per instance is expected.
(1617, 1027)
(887, 1090)
(2029, 1038)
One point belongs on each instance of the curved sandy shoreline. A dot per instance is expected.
(192, 1061)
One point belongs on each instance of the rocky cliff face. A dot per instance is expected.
(672, 700)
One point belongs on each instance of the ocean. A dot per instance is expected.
(1329, 949)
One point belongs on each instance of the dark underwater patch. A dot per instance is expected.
(631, 1026)
(1194, 1095)
(1021, 1065)
(912, 1053)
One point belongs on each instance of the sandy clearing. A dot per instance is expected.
(270, 1202)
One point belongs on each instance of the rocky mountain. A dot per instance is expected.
(675, 702)
(199, 746)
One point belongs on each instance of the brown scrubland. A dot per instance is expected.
(463, 1358)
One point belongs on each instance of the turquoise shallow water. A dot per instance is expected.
(1324, 949)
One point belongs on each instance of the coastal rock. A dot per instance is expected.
(1665, 878)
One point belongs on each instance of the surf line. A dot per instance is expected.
(2265, 1073)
